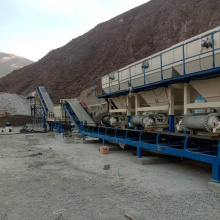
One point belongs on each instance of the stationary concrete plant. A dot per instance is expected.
(168, 102)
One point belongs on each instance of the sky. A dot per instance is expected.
(32, 28)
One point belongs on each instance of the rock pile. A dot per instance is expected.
(14, 104)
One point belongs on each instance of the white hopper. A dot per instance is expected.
(208, 88)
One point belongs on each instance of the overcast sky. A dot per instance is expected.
(31, 28)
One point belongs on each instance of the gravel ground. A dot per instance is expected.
(14, 104)
(71, 177)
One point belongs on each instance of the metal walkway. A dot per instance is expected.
(45, 99)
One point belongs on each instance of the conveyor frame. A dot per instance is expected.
(189, 146)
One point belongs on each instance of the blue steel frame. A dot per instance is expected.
(42, 101)
(163, 82)
(155, 145)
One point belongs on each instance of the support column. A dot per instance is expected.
(128, 121)
(128, 100)
(171, 123)
(81, 126)
(60, 126)
(103, 142)
(186, 97)
(216, 172)
(128, 105)
(138, 152)
(137, 103)
(171, 109)
(65, 121)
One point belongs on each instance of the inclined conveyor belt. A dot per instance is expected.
(45, 99)
(79, 111)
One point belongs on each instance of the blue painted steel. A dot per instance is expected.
(60, 127)
(81, 126)
(168, 149)
(51, 126)
(219, 149)
(72, 116)
(138, 152)
(128, 120)
(40, 114)
(216, 173)
(65, 122)
(42, 101)
(171, 123)
(185, 143)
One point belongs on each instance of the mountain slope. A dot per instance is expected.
(111, 45)
(10, 62)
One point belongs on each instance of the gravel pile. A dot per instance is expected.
(14, 104)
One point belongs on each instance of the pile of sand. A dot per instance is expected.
(14, 104)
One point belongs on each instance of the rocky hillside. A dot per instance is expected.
(10, 62)
(120, 41)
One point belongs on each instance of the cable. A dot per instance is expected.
(160, 92)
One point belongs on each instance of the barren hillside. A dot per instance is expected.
(10, 62)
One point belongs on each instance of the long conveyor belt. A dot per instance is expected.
(75, 108)
(45, 99)
(201, 148)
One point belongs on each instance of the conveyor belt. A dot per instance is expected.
(201, 148)
(45, 99)
(79, 111)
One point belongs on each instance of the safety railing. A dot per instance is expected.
(121, 76)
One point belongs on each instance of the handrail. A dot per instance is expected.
(144, 72)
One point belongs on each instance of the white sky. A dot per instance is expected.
(31, 28)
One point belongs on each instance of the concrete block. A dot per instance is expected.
(153, 160)
(27, 136)
(34, 141)
(214, 186)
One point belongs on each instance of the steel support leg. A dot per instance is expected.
(81, 126)
(216, 172)
(171, 123)
(138, 152)
(60, 126)
(103, 142)
(128, 121)
(65, 122)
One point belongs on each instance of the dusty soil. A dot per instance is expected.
(71, 177)
(131, 36)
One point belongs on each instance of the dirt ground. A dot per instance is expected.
(36, 181)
